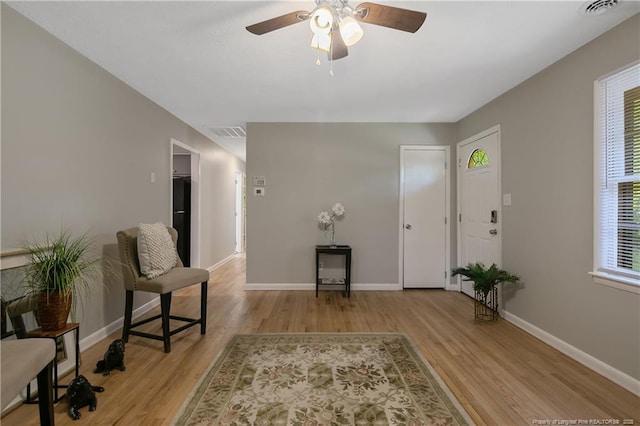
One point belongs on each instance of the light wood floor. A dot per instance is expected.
(500, 374)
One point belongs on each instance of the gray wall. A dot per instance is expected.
(78, 149)
(547, 166)
(310, 166)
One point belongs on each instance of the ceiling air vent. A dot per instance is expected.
(234, 132)
(599, 7)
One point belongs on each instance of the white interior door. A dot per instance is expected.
(424, 205)
(479, 209)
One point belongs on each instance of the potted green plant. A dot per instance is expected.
(59, 269)
(484, 284)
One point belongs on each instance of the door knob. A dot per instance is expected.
(407, 226)
(493, 232)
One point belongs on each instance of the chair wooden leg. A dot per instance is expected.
(45, 395)
(165, 307)
(128, 310)
(203, 307)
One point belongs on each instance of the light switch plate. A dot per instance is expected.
(506, 199)
(258, 190)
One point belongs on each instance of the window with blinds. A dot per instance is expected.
(618, 175)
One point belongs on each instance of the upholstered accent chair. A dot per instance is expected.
(22, 360)
(176, 278)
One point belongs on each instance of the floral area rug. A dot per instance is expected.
(321, 379)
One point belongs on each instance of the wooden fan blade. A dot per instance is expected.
(338, 48)
(278, 22)
(391, 17)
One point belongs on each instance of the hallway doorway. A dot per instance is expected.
(184, 200)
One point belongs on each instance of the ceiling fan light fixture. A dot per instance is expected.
(321, 20)
(321, 41)
(335, 25)
(350, 30)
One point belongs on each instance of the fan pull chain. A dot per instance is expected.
(318, 60)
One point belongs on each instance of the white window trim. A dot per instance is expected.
(617, 281)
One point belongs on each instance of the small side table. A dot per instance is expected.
(55, 335)
(343, 250)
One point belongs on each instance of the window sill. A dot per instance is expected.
(621, 283)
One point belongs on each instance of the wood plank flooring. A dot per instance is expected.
(500, 374)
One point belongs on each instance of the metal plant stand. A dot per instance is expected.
(486, 308)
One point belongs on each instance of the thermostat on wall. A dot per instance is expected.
(259, 181)
(258, 190)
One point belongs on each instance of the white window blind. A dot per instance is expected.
(618, 167)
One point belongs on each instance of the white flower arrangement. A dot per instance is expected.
(326, 219)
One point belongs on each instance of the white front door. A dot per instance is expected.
(479, 212)
(424, 206)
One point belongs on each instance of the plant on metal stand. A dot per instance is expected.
(484, 284)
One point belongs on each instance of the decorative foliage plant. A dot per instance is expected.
(484, 280)
(61, 267)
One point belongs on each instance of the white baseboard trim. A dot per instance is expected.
(278, 286)
(623, 379)
(312, 287)
(222, 262)
(376, 287)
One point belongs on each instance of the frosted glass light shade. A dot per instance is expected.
(321, 20)
(350, 30)
(321, 41)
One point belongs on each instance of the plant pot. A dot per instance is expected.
(53, 310)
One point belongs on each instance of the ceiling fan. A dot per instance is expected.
(335, 24)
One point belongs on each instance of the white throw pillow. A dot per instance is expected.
(156, 252)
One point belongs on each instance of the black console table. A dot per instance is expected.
(335, 250)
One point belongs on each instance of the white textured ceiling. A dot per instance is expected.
(196, 59)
